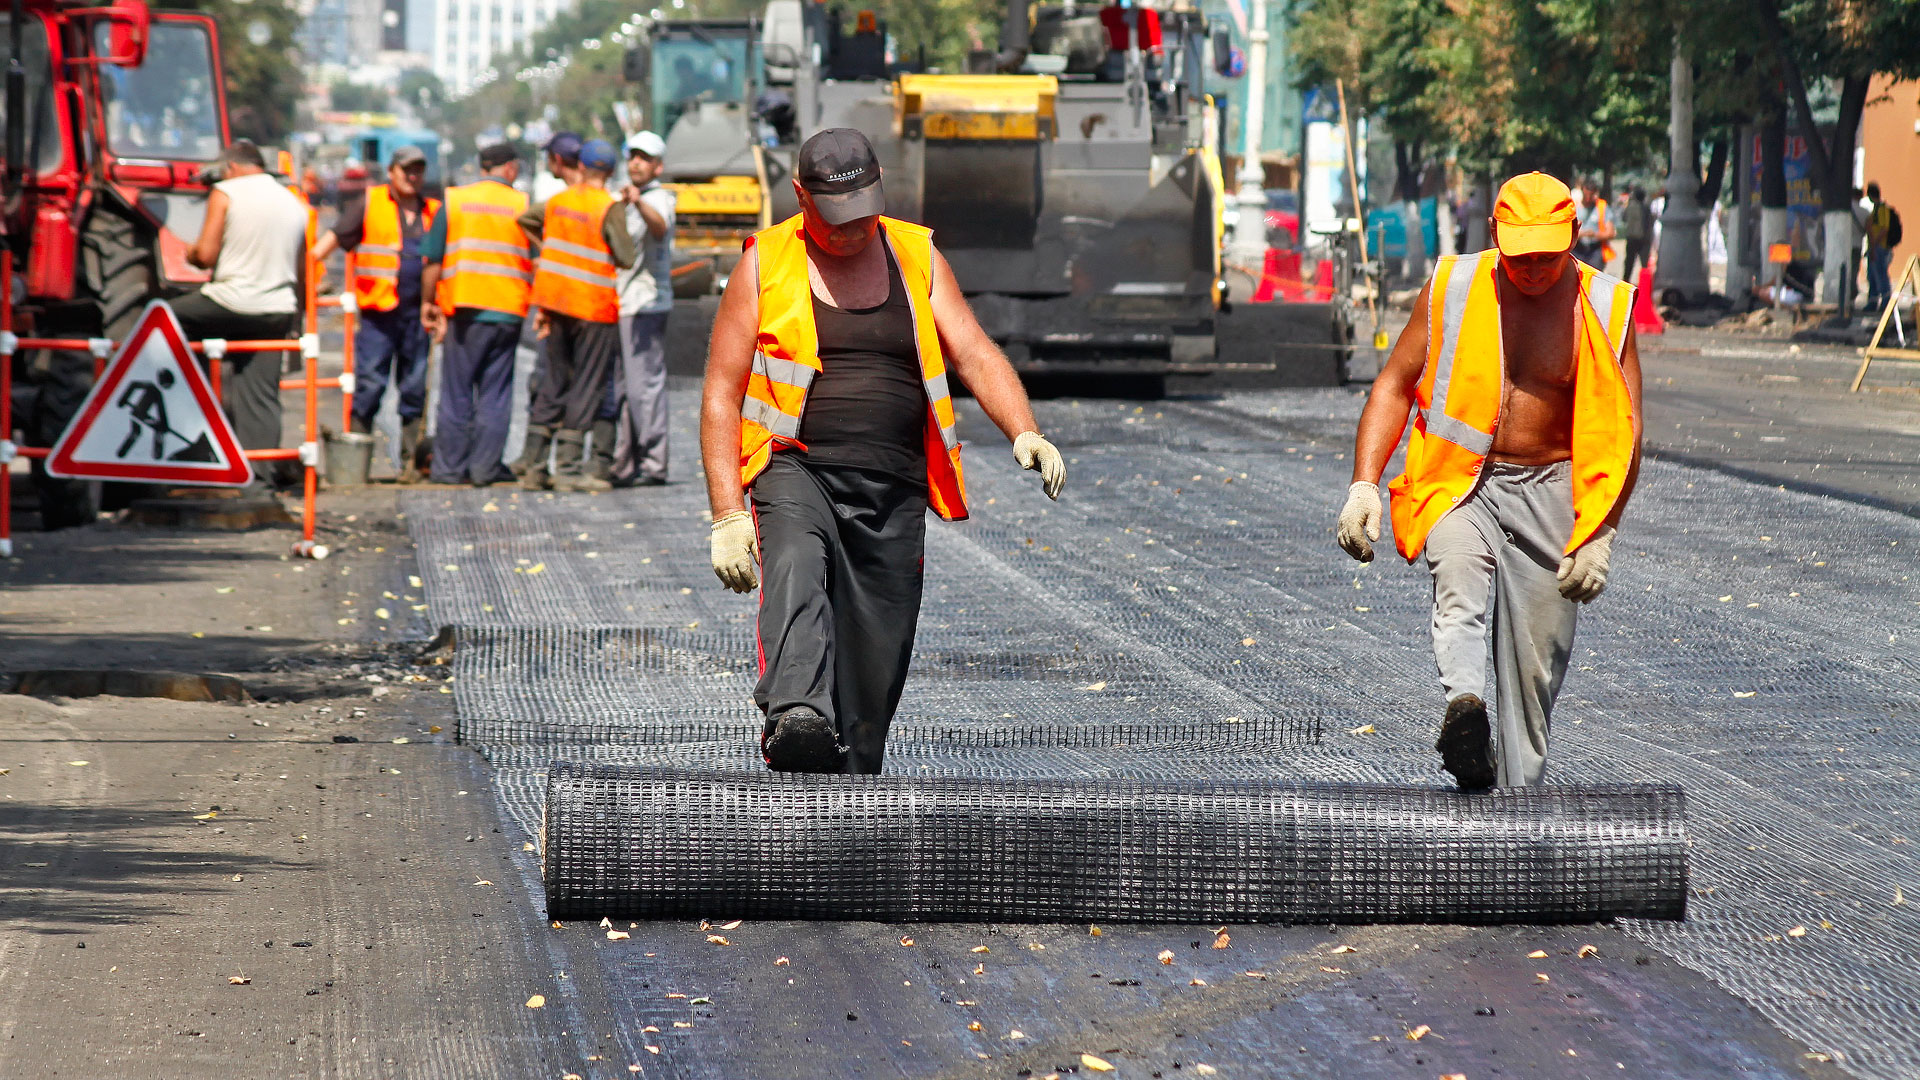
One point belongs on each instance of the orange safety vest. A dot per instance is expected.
(488, 262)
(376, 280)
(787, 356)
(1458, 400)
(576, 272)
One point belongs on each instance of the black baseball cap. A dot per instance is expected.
(838, 169)
(492, 157)
(566, 147)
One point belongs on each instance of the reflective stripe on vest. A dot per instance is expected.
(575, 274)
(1458, 399)
(489, 261)
(788, 359)
(376, 279)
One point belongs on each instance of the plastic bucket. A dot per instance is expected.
(349, 457)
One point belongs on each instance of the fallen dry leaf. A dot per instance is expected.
(1094, 931)
(1798, 931)
(537, 1001)
(1898, 896)
(1255, 974)
(1419, 1033)
(483, 881)
(978, 949)
(1454, 1076)
(1088, 1061)
(79, 763)
(682, 1024)
(1166, 956)
(1363, 729)
(1095, 686)
(782, 962)
(1588, 951)
(1338, 949)
(653, 1049)
(606, 923)
(618, 935)
(716, 939)
(1196, 982)
(650, 1029)
(979, 969)
(975, 1026)
(238, 980)
(1334, 971)
(734, 925)
(1541, 977)
(209, 816)
(1205, 1070)
(1016, 1033)
(1222, 940)
(906, 943)
(1537, 954)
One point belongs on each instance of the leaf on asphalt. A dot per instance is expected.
(1196, 982)
(716, 939)
(1222, 940)
(433, 729)
(677, 996)
(1588, 951)
(1541, 977)
(974, 1026)
(979, 969)
(1419, 1033)
(782, 962)
(1205, 1070)
(557, 924)
(1745, 693)
(1898, 896)
(1095, 686)
(382, 613)
(978, 949)
(906, 943)
(1166, 956)
(79, 763)
(1454, 1076)
(536, 568)
(653, 1049)
(1798, 931)
(238, 980)
(1093, 931)
(734, 925)
(1034, 946)
(1016, 1033)
(537, 1001)
(618, 935)
(1537, 954)
(414, 581)
(208, 816)
(682, 1024)
(650, 1028)
(1261, 975)
(633, 1068)
(1363, 729)
(1088, 1061)
(1334, 971)
(236, 877)
(1247, 641)
(1338, 949)
(483, 881)
(606, 923)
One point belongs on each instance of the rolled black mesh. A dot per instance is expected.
(643, 842)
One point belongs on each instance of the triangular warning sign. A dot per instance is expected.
(151, 416)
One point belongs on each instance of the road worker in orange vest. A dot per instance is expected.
(1520, 367)
(827, 405)
(390, 347)
(584, 244)
(475, 289)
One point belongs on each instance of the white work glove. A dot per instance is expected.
(735, 549)
(1036, 453)
(1583, 574)
(1360, 520)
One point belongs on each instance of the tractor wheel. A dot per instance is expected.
(117, 268)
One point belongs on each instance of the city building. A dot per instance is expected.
(468, 34)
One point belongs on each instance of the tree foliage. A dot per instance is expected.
(262, 79)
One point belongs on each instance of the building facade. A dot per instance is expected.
(468, 34)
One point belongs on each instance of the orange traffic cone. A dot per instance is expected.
(1646, 317)
(1323, 282)
(1263, 292)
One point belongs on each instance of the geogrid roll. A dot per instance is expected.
(1754, 647)
(666, 843)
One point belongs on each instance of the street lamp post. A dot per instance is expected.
(1682, 265)
(1250, 230)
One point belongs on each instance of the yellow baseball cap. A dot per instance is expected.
(1535, 215)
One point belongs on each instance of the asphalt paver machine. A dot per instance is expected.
(112, 113)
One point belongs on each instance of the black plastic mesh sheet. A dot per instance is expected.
(665, 843)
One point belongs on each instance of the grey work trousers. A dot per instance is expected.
(1500, 549)
(249, 382)
(581, 356)
(641, 449)
(840, 575)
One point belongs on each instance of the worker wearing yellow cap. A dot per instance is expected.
(1520, 367)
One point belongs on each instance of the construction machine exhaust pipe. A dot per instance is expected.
(1016, 38)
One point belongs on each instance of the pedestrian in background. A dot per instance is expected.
(646, 299)
(1882, 233)
(584, 244)
(1636, 227)
(563, 169)
(252, 238)
(477, 283)
(390, 348)
(1594, 227)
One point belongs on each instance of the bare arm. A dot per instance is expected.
(655, 220)
(325, 246)
(431, 317)
(1630, 367)
(736, 328)
(973, 356)
(206, 248)
(1384, 419)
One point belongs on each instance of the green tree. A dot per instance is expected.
(357, 97)
(259, 63)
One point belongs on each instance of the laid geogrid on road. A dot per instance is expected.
(1754, 647)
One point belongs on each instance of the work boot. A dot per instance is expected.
(604, 434)
(410, 449)
(568, 448)
(535, 450)
(1466, 743)
(801, 740)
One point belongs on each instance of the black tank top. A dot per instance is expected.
(867, 407)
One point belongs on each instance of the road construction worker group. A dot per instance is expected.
(589, 267)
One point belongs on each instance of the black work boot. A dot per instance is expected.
(532, 466)
(568, 448)
(410, 449)
(534, 453)
(1466, 743)
(801, 740)
(604, 434)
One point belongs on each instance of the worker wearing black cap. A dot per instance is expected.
(827, 405)
(390, 346)
(476, 287)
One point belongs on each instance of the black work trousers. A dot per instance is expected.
(581, 356)
(840, 571)
(249, 382)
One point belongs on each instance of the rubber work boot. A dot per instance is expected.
(568, 448)
(532, 466)
(802, 740)
(539, 436)
(1466, 743)
(604, 434)
(410, 449)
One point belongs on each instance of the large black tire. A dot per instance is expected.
(116, 279)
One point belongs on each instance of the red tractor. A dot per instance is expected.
(112, 114)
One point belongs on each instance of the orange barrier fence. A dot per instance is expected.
(214, 350)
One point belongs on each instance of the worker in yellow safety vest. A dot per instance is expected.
(475, 289)
(827, 404)
(584, 244)
(390, 347)
(1520, 367)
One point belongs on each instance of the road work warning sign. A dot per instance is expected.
(151, 416)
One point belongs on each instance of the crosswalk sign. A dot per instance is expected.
(151, 416)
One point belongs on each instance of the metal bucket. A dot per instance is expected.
(349, 457)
